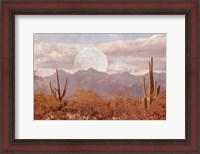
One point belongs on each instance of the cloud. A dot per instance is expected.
(142, 65)
(133, 55)
(60, 55)
(139, 66)
(154, 46)
(118, 68)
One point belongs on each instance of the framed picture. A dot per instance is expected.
(95, 76)
(100, 76)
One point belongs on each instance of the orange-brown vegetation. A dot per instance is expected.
(88, 105)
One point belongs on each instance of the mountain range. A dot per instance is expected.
(102, 83)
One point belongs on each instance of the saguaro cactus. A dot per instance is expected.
(153, 88)
(56, 92)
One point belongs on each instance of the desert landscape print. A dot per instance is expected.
(99, 76)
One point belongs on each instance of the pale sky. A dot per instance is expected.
(123, 52)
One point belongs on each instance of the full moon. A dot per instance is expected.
(90, 58)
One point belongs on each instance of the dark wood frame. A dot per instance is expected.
(7, 93)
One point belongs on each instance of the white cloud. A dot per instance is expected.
(153, 46)
(59, 55)
(118, 68)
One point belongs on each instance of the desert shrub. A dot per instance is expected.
(88, 105)
(43, 103)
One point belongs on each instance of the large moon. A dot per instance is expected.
(90, 58)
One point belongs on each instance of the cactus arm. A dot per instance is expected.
(144, 87)
(155, 86)
(158, 89)
(157, 92)
(63, 94)
(155, 89)
(152, 78)
(65, 88)
(51, 88)
(53, 92)
(150, 87)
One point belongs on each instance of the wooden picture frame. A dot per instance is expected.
(188, 8)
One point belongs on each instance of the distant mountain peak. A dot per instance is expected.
(61, 72)
(92, 70)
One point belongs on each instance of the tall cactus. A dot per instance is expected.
(56, 92)
(153, 88)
